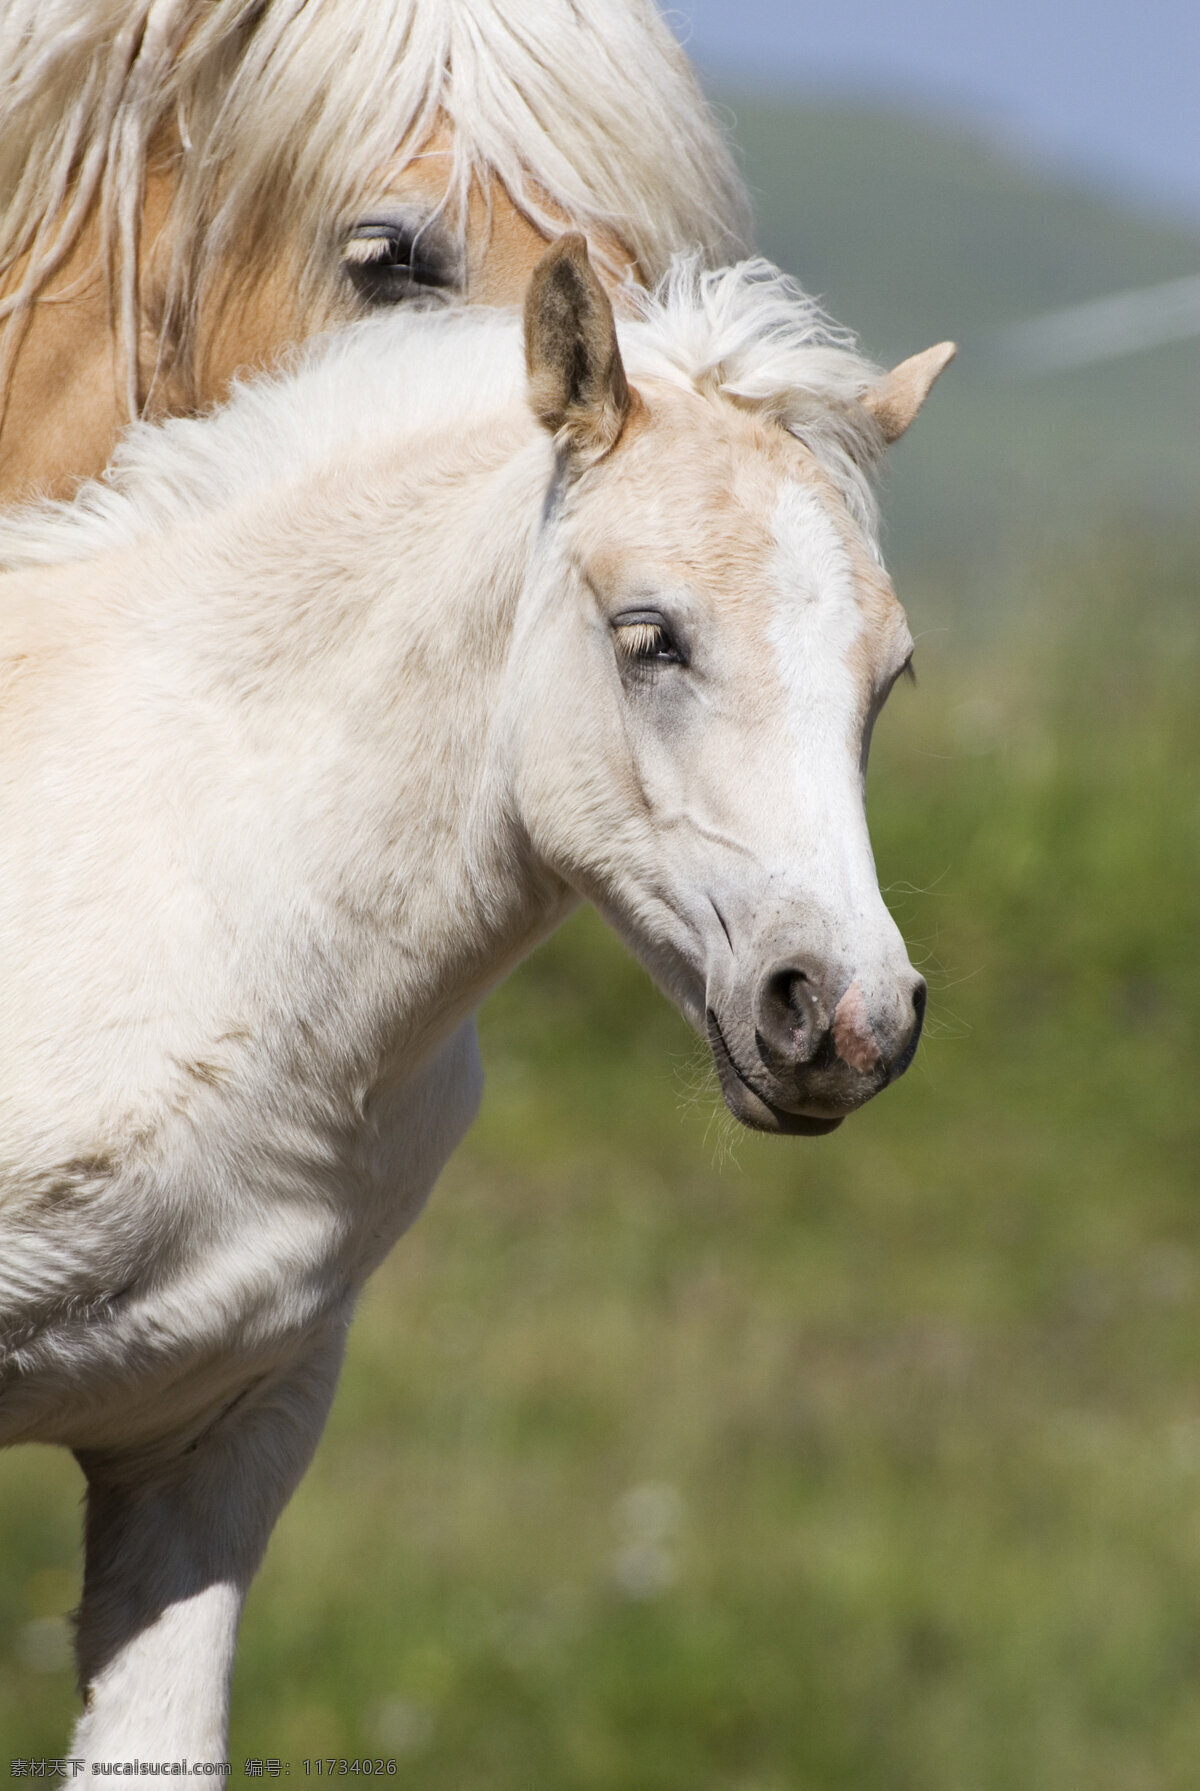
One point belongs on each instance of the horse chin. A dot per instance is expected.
(760, 1117)
(753, 1109)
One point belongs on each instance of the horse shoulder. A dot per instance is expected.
(137, 1298)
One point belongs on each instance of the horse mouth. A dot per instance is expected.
(748, 1104)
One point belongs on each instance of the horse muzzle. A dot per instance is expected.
(807, 1045)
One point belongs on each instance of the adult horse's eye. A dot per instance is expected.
(646, 640)
(389, 263)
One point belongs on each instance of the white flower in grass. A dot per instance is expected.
(647, 1518)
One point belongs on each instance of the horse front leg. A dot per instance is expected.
(171, 1546)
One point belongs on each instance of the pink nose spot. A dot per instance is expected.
(852, 1035)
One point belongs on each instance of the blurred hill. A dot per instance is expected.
(911, 232)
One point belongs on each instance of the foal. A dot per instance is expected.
(319, 715)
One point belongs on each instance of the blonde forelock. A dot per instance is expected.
(284, 111)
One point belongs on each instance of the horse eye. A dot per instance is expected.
(646, 642)
(389, 263)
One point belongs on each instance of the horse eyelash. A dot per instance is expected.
(638, 640)
(362, 251)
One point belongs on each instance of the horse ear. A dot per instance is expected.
(899, 395)
(577, 384)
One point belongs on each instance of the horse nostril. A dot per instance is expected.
(790, 1017)
(919, 997)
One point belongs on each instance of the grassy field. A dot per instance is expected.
(672, 1459)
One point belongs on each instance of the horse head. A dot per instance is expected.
(220, 182)
(695, 687)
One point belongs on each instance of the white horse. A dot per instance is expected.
(319, 714)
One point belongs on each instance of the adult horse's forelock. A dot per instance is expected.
(276, 119)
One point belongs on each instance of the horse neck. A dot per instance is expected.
(345, 640)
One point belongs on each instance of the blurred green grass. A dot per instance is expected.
(668, 1457)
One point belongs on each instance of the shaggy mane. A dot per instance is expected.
(284, 109)
(746, 333)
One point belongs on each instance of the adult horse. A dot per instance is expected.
(320, 713)
(188, 185)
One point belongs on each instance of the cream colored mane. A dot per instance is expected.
(747, 333)
(284, 110)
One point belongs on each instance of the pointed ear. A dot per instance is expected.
(577, 384)
(899, 395)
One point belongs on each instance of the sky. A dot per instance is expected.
(1107, 89)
